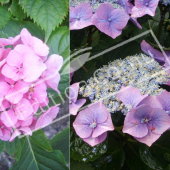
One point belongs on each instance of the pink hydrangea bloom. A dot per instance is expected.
(93, 123)
(80, 16)
(109, 20)
(143, 7)
(25, 76)
(74, 103)
(47, 117)
(51, 75)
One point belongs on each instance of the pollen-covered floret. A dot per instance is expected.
(139, 71)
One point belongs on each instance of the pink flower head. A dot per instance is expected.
(38, 46)
(74, 103)
(9, 41)
(18, 66)
(143, 7)
(93, 123)
(149, 50)
(13, 91)
(146, 124)
(130, 96)
(47, 117)
(5, 133)
(51, 75)
(80, 16)
(109, 20)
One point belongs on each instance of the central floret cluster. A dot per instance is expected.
(139, 71)
(25, 75)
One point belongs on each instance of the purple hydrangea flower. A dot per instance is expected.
(93, 123)
(143, 7)
(134, 20)
(80, 16)
(152, 101)
(126, 5)
(149, 50)
(130, 96)
(165, 101)
(146, 124)
(109, 20)
(74, 103)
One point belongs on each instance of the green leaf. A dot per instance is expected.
(1, 146)
(158, 155)
(75, 165)
(3, 35)
(4, 16)
(35, 158)
(81, 151)
(133, 158)
(15, 148)
(4, 1)
(17, 26)
(17, 11)
(40, 139)
(148, 159)
(61, 142)
(48, 14)
(59, 44)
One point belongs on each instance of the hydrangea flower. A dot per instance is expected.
(25, 76)
(149, 50)
(93, 123)
(146, 123)
(143, 7)
(165, 101)
(109, 20)
(130, 96)
(126, 5)
(80, 16)
(74, 103)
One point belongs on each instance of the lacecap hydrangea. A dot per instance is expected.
(25, 75)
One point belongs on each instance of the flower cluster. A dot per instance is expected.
(139, 71)
(25, 75)
(109, 17)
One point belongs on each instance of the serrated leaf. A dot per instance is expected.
(17, 11)
(61, 142)
(4, 16)
(17, 26)
(15, 148)
(1, 146)
(35, 158)
(48, 14)
(40, 139)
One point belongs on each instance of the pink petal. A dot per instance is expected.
(9, 118)
(95, 141)
(74, 107)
